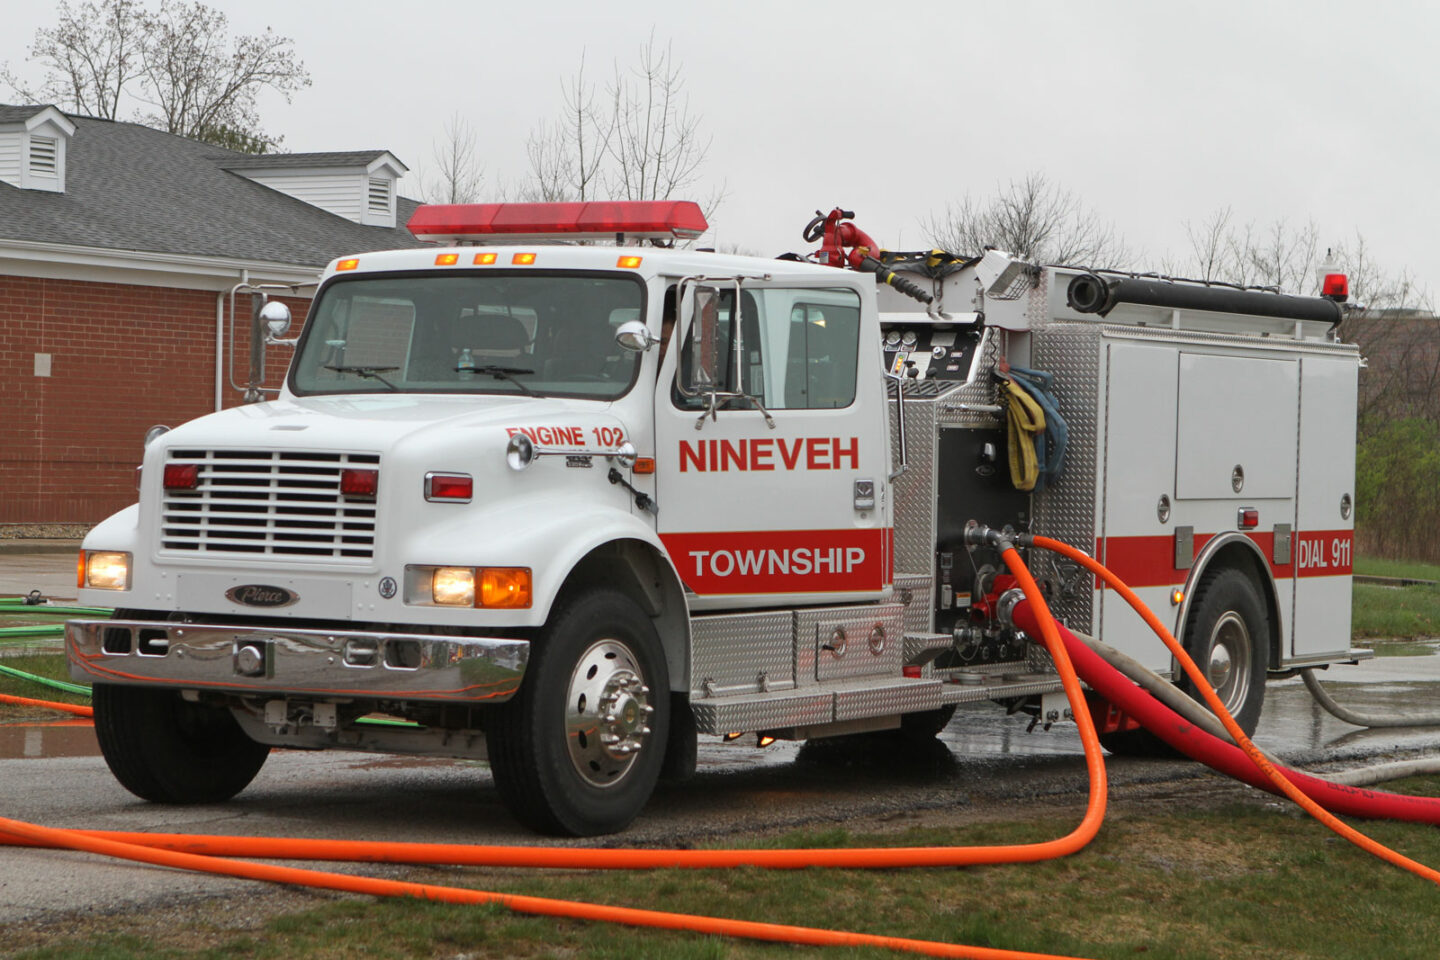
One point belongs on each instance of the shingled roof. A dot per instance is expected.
(129, 187)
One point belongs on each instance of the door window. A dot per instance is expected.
(797, 349)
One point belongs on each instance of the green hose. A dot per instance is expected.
(36, 630)
(45, 681)
(50, 610)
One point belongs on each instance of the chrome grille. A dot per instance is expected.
(270, 504)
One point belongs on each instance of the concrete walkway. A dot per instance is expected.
(44, 565)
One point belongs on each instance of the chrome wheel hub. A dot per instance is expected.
(1228, 667)
(607, 713)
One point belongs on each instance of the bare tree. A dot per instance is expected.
(1210, 247)
(1033, 219)
(177, 58)
(458, 173)
(566, 156)
(199, 80)
(656, 145)
(91, 56)
(635, 140)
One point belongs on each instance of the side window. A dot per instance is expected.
(799, 349)
(820, 362)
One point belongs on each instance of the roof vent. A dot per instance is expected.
(380, 196)
(44, 157)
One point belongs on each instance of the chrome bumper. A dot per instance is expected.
(257, 661)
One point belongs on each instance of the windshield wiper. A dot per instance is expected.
(369, 373)
(502, 373)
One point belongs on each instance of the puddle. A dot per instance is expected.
(1403, 648)
(40, 741)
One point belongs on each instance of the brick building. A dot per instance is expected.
(119, 246)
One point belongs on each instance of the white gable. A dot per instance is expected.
(32, 153)
(362, 193)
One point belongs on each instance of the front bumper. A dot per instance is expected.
(264, 660)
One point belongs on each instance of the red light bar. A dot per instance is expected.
(359, 483)
(1336, 286)
(182, 476)
(501, 222)
(454, 487)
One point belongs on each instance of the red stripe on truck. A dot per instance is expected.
(781, 561)
(1150, 561)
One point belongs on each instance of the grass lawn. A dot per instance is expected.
(1246, 880)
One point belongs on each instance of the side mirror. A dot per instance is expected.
(703, 310)
(634, 336)
(276, 318)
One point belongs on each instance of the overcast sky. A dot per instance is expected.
(1154, 114)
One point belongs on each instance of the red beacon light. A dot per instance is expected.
(1335, 286)
(528, 222)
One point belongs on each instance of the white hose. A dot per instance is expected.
(1360, 719)
(1157, 686)
(1381, 772)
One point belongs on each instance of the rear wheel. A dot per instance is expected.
(579, 748)
(1227, 633)
(1228, 636)
(165, 749)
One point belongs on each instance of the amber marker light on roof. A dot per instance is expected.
(446, 259)
(628, 263)
(350, 264)
(485, 259)
(523, 258)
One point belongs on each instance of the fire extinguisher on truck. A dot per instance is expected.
(568, 507)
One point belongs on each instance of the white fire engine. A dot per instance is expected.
(499, 509)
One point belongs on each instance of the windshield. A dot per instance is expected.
(548, 334)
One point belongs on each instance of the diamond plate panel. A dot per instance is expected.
(732, 652)
(1066, 509)
(917, 645)
(920, 611)
(817, 627)
(910, 696)
(766, 711)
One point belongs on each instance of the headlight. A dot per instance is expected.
(496, 588)
(104, 570)
(453, 586)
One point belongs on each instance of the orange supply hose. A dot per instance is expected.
(1213, 701)
(540, 906)
(95, 842)
(605, 859)
(78, 710)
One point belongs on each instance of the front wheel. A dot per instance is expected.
(579, 748)
(166, 749)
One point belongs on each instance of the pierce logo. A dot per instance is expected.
(261, 595)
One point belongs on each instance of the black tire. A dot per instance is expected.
(598, 657)
(165, 749)
(1225, 611)
(1228, 634)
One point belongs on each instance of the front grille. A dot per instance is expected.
(269, 504)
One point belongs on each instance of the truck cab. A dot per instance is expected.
(495, 488)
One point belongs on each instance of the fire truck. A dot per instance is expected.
(567, 506)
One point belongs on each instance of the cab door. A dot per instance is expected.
(772, 479)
